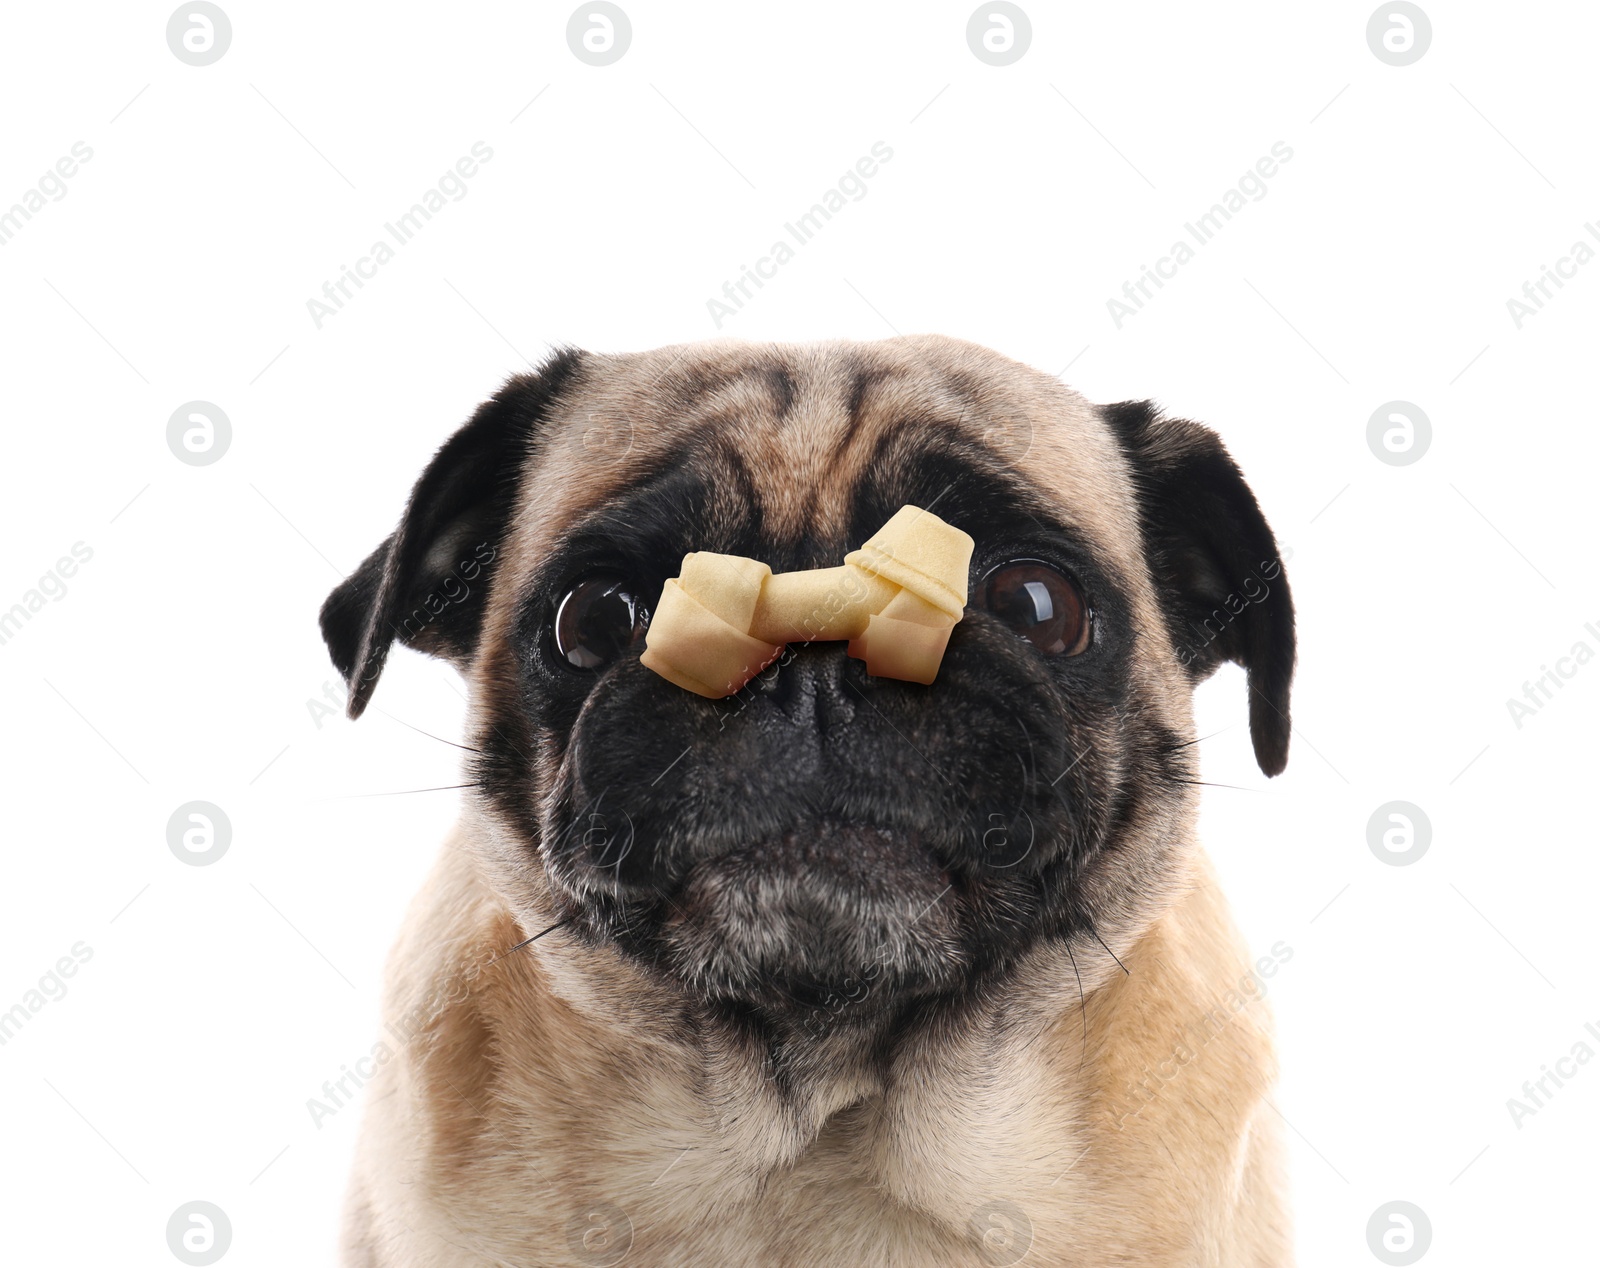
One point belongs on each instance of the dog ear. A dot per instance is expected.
(1215, 564)
(426, 585)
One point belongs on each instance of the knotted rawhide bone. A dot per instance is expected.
(725, 618)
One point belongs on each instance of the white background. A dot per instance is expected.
(179, 663)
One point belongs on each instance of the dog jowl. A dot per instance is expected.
(823, 828)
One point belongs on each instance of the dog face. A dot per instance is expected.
(824, 838)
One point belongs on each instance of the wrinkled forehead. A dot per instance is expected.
(796, 453)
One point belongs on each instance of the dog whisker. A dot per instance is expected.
(1083, 1007)
(626, 849)
(406, 792)
(1200, 739)
(1109, 951)
(567, 921)
(1031, 768)
(465, 747)
(1206, 783)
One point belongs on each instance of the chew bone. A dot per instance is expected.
(725, 618)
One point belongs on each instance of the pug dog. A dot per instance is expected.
(838, 970)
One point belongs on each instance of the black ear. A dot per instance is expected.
(426, 585)
(1215, 564)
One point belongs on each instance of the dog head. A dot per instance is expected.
(824, 843)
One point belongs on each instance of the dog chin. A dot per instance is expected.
(831, 923)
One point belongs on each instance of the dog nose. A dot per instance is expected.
(812, 685)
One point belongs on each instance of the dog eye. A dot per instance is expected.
(597, 620)
(1041, 604)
